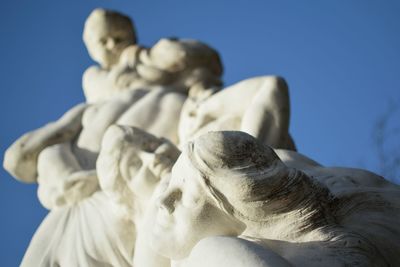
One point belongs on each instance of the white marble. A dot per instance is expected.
(123, 64)
(231, 201)
(259, 106)
(121, 193)
(61, 156)
(130, 166)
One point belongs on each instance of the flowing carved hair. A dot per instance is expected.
(249, 182)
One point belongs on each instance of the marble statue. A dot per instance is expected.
(107, 35)
(232, 201)
(61, 156)
(130, 166)
(161, 167)
(265, 207)
(75, 138)
(111, 41)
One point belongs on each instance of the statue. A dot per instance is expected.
(121, 193)
(61, 156)
(111, 41)
(76, 137)
(106, 35)
(130, 166)
(258, 106)
(264, 207)
(227, 190)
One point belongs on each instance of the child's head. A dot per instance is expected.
(106, 34)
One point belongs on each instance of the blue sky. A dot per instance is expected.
(340, 58)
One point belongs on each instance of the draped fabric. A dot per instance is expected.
(90, 233)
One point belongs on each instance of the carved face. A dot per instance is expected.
(186, 214)
(135, 166)
(106, 41)
(143, 169)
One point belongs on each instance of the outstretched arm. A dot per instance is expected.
(20, 159)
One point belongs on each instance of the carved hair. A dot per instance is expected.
(249, 182)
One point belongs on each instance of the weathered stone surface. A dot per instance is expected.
(121, 192)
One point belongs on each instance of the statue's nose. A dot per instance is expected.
(110, 43)
(167, 201)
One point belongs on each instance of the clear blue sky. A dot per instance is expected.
(341, 59)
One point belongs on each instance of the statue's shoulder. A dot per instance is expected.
(236, 252)
(92, 70)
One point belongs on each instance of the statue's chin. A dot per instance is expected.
(106, 59)
(168, 248)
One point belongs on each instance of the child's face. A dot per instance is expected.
(107, 41)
